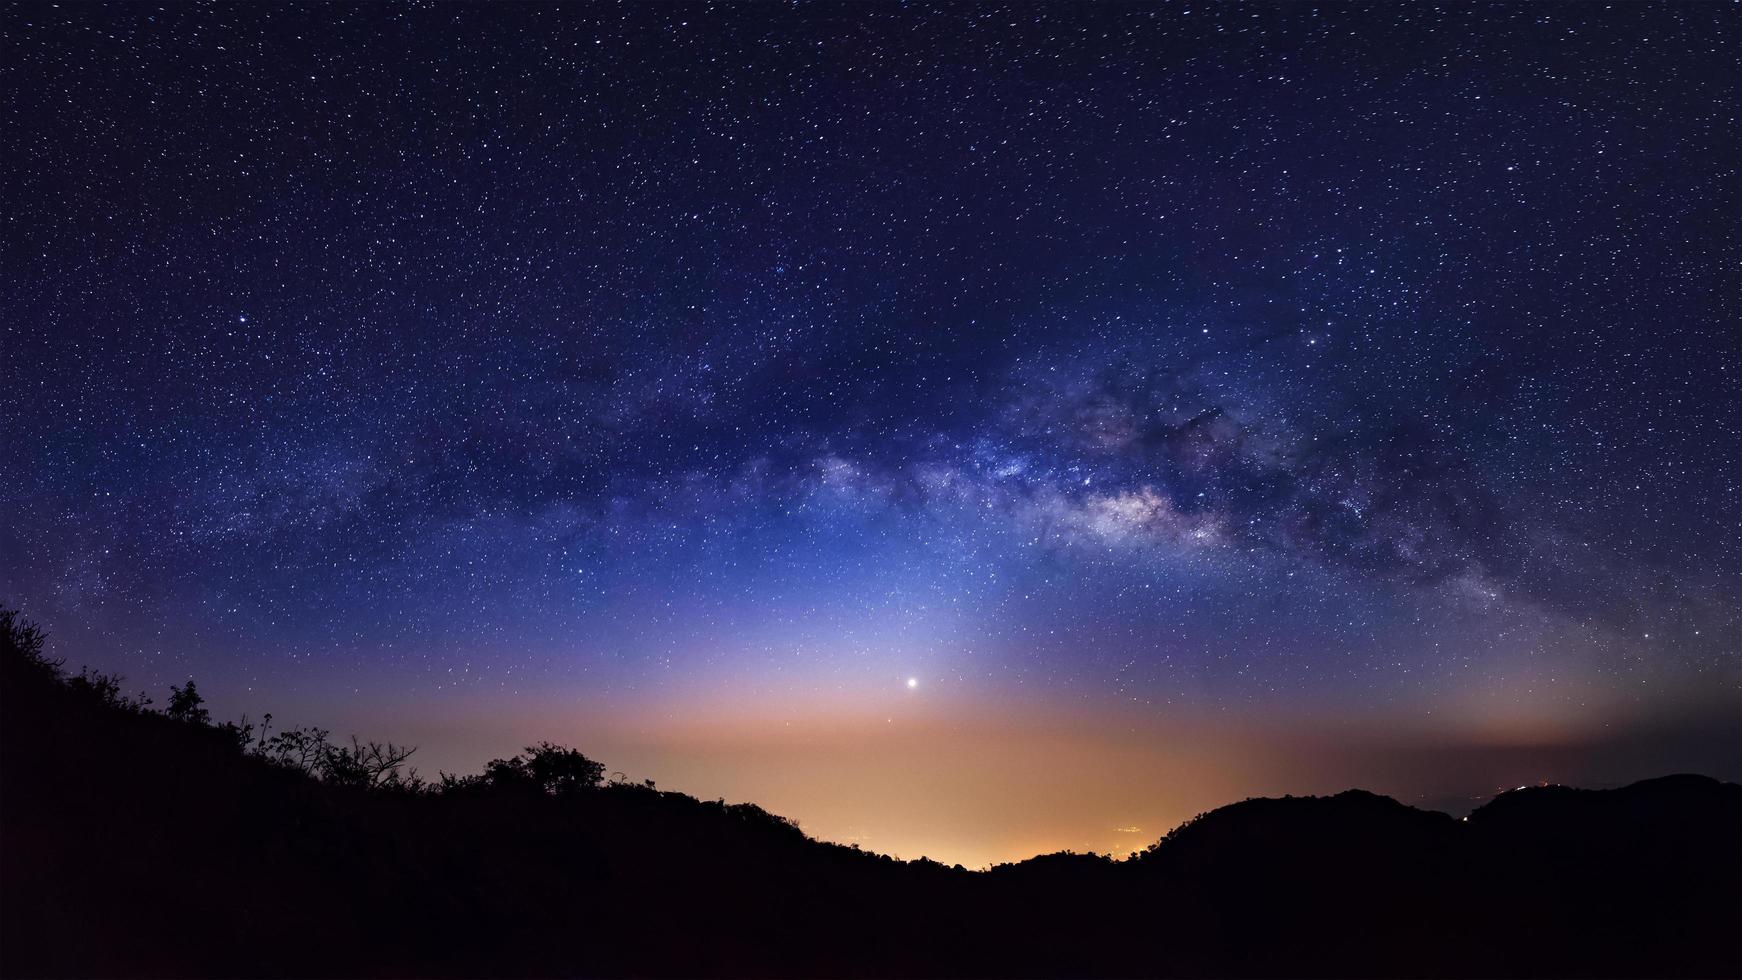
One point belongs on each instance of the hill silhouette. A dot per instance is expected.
(138, 842)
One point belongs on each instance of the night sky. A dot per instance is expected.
(969, 430)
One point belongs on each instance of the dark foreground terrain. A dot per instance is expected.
(135, 841)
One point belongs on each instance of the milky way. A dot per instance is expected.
(504, 372)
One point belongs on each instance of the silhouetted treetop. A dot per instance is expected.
(545, 768)
(185, 704)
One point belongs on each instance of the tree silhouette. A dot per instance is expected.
(561, 771)
(300, 748)
(185, 704)
(366, 765)
(545, 768)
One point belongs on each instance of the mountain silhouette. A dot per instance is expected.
(137, 842)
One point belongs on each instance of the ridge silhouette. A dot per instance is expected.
(135, 842)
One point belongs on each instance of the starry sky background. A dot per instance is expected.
(1196, 401)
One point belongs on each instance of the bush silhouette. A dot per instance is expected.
(21, 644)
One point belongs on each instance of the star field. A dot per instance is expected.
(682, 376)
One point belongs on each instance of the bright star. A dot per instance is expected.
(912, 682)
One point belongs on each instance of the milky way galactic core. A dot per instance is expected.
(970, 430)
